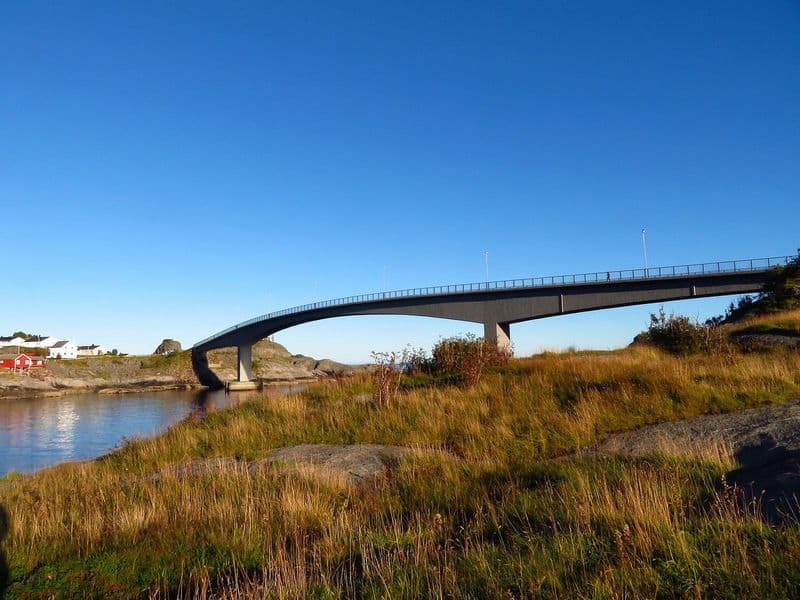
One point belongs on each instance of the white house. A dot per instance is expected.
(63, 349)
(39, 341)
(93, 350)
(10, 340)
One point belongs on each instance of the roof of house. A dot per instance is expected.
(8, 338)
(61, 344)
(92, 347)
(15, 356)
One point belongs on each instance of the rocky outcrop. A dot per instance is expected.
(764, 341)
(765, 442)
(353, 464)
(273, 363)
(168, 346)
(333, 368)
(175, 370)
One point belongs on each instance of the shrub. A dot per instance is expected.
(677, 334)
(417, 361)
(782, 289)
(386, 376)
(464, 358)
(781, 292)
(737, 311)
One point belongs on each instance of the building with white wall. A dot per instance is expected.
(10, 340)
(39, 341)
(93, 350)
(63, 349)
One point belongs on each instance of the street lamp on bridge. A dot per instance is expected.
(644, 248)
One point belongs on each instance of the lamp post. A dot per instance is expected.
(486, 264)
(644, 248)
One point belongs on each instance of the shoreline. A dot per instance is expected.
(113, 389)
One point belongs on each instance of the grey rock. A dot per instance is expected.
(738, 430)
(168, 346)
(331, 367)
(755, 341)
(355, 464)
(765, 442)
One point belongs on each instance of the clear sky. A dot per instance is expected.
(169, 169)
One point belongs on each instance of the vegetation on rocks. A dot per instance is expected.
(679, 335)
(750, 323)
(781, 293)
(488, 502)
(782, 290)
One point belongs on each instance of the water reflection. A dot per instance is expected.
(36, 433)
(201, 403)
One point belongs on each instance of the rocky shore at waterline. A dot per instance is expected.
(122, 374)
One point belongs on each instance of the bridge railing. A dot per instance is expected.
(710, 268)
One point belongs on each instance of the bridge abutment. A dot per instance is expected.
(244, 362)
(205, 375)
(498, 334)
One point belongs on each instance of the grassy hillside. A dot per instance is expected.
(119, 368)
(781, 293)
(783, 323)
(490, 504)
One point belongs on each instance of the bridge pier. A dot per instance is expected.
(498, 334)
(245, 363)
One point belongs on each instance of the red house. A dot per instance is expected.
(21, 362)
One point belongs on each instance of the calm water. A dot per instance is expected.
(36, 433)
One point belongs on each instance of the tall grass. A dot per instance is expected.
(786, 323)
(478, 510)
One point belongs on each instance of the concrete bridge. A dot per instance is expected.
(498, 304)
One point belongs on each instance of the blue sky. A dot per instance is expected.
(169, 169)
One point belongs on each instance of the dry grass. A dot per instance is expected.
(787, 323)
(479, 511)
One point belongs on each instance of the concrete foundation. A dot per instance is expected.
(245, 363)
(498, 334)
(243, 386)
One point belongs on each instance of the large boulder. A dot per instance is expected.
(333, 368)
(168, 346)
(765, 442)
(354, 464)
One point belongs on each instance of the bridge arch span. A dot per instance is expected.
(497, 305)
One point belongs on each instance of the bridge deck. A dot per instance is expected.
(454, 292)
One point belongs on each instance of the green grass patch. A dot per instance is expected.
(163, 361)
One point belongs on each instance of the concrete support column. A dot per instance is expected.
(245, 362)
(498, 334)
